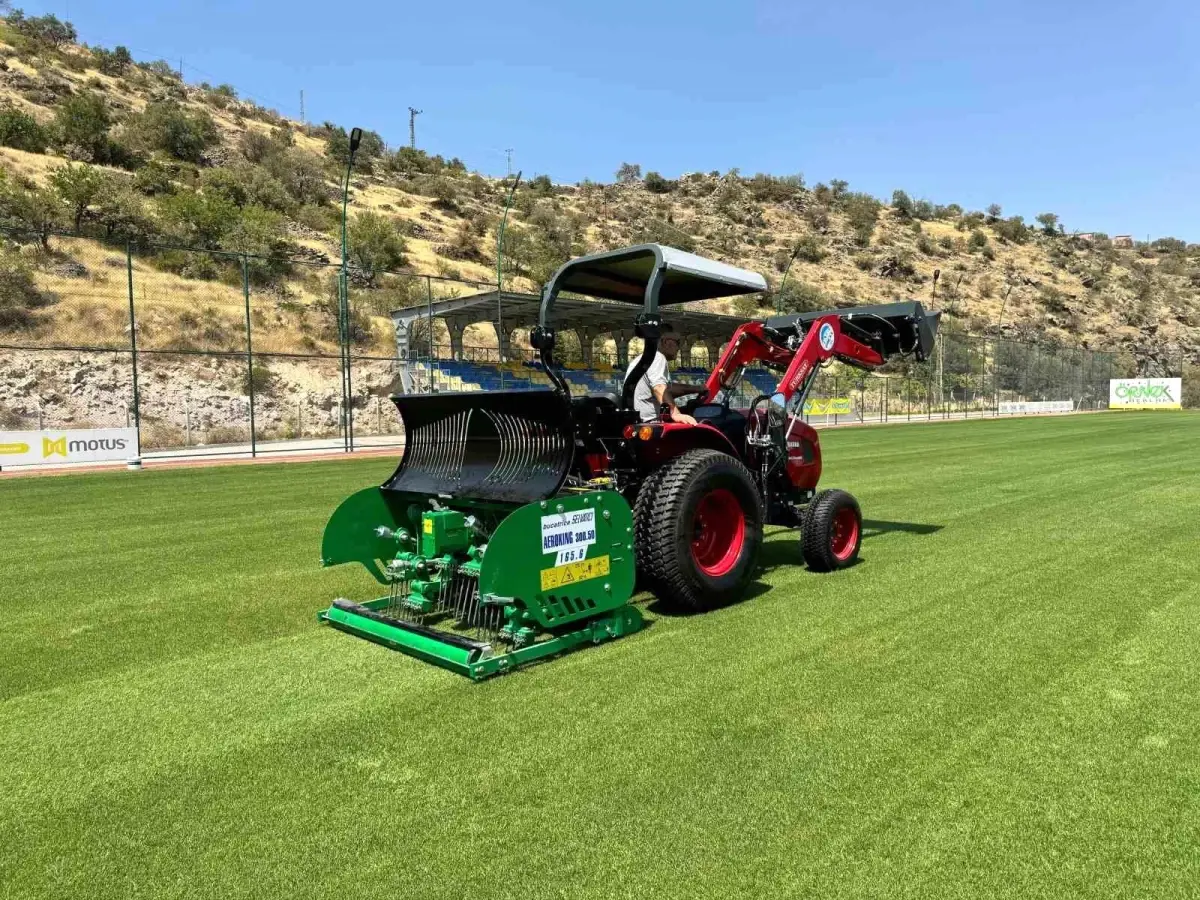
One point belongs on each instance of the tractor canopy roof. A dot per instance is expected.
(628, 275)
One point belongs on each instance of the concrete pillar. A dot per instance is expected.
(586, 335)
(456, 327)
(714, 353)
(504, 342)
(685, 351)
(621, 339)
(403, 351)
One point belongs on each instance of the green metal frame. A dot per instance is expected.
(624, 620)
(547, 608)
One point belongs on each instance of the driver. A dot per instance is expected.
(653, 390)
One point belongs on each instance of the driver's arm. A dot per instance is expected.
(662, 394)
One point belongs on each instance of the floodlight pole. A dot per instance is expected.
(996, 350)
(783, 280)
(500, 276)
(344, 303)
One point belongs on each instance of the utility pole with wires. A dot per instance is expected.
(303, 121)
(508, 152)
(412, 126)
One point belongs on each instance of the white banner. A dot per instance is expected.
(23, 448)
(1009, 408)
(1145, 393)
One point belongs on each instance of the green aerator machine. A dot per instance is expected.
(491, 559)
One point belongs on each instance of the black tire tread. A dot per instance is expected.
(673, 584)
(815, 537)
(643, 506)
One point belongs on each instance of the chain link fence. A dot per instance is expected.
(213, 353)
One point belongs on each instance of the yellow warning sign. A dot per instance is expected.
(571, 573)
(427, 526)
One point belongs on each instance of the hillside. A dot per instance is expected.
(120, 152)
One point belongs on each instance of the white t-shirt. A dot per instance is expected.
(643, 395)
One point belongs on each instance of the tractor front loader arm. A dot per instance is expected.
(756, 341)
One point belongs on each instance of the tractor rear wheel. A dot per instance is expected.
(705, 527)
(831, 533)
(643, 540)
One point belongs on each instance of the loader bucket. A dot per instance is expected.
(507, 446)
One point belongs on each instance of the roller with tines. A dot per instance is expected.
(516, 522)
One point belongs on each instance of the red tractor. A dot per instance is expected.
(701, 493)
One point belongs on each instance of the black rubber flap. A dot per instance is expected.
(512, 446)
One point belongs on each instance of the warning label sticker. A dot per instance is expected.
(571, 573)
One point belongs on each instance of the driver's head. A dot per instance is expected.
(668, 344)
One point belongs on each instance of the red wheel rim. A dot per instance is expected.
(718, 532)
(845, 533)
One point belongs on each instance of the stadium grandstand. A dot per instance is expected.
(459, 368)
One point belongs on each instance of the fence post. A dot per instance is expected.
(835, 397)
(249, 351)
(137, 401)
(429, 331)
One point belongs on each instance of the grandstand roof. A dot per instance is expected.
(521, 311)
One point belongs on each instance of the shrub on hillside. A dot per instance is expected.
(800, 296)
(375, 245)
(47, 31)
(247, 185)
(21, 131)
(82, 123)
(301, 175)
(977, 241)
(1013, 229)
(19, 295)
(773, 189)
(656, 184)
(169, 127)
(114, 62)
(337, 148)
(810, 249)
(862, 211)
(903, 205)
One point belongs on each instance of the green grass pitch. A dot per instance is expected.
(1001, 700)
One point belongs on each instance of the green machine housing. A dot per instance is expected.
(489, 561)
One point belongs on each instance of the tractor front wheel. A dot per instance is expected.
(831, 531)
(703, 530)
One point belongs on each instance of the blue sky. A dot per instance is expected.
(1089, 110)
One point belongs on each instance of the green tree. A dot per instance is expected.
(30, 208)
(78, 186)
(375, 245)
(301, 175)
(82, 123)
(1012, 229)
(120, 210)
(113, 62)
(165, 125)
(903, 205)
(994, 212)
(198, 220)
(21, 131)
(1049, 223)
(48, 30)
(629, 173)
(337, 147)
(259, 233)
(977, 241)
